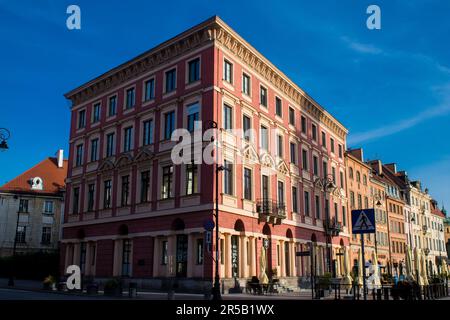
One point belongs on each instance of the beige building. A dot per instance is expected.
(31, 207)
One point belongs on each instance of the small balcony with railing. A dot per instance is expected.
(333, 227)
(270, 211)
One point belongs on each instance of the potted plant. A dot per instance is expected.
(49, 283)
(324, 283)
(113, 287)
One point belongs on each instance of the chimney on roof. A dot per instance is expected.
(60, 158)
(377, 166)
(417, 184)
(392, 167)
(357, 153)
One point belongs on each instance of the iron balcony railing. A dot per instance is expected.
(270, 211)
(333, 227)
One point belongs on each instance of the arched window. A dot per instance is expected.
(350, 173)
(358, 176)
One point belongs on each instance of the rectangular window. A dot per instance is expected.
(246, 84)
(228, 177)
(279, 146)
(336, 212)
(46, 235)
(305, 159)
(48, 206)
(293, 148)
(169, 124)
(278, 107)
(324, 140)
(130, 98)
(332, 144)
(247, 126)
(264, 138)
(247, 184)
(110, 144)
(306, 197)
(227, 117)
(280, 193)
(21, 234)
(265, 187)
(91, 197)
(112, 107)
(199, 251)
(164, 252)
(191, 178)
(294, 199)
(359, 201)
(107, 194)
(125, 195)
(149, 89)
(352, 199)
(291, 116)
(96, 113)
(193, 117)
(194, 70)
(263, 96)
(127, 139)
(303, 119)
(147, 132)
(314, 132)
(325, 168)
(94, 150)
(145, 186)
(76, 200)
(316, 165)
(23, 205)
(79, 155)
(340, 150)
(126, 258)
(171, 80)
(167, 182)
(341, 179)
(228, 71)
(333, 174)
(317, 207)
(81, 119)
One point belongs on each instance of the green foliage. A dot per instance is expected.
(113, 284)
(387, 278)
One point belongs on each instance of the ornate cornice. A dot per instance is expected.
(213, 29)
(177, 46)
(229, 39)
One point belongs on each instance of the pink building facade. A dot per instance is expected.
(133, 213)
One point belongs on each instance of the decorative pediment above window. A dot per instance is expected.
(266, 160)
(106, 165)
(143, 155)
(283, 168)
(249, 154)
(124, 160)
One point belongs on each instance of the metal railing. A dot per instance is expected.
(270, 211)
(389, 292)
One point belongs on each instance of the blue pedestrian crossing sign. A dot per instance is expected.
(363, 221)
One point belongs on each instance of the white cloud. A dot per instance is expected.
(400, 125)
(361, 47)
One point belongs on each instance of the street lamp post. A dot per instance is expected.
(327, 185)
(376, 202)
(216, 295)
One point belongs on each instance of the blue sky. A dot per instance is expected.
(389, 87)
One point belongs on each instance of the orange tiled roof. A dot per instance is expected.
(52, 177)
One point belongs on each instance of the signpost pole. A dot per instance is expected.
(363, 266)
(311, 266)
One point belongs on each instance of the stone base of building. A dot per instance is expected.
(187, 285)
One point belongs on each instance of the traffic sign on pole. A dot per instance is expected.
(363, 221)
